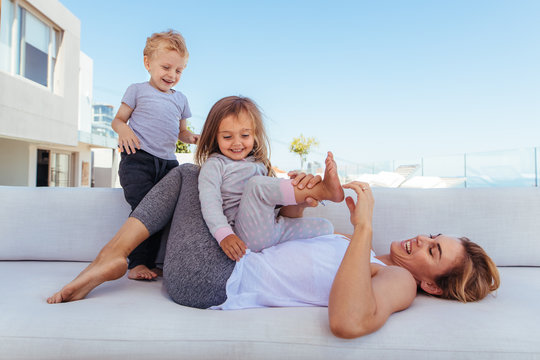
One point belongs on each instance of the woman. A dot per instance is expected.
(362, 295)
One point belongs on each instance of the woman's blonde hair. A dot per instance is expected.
(169, 40)
(473, 278)
(234, 105)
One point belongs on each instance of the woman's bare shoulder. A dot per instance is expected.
(398, 282)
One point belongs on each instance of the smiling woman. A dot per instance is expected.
(426, 258)
(360, 292)
(452, 268)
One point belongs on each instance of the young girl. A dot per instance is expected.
(237, 191)
(151, 118)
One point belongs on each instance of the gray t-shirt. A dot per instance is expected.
(155, 119)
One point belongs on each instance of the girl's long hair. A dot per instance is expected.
(234, 105)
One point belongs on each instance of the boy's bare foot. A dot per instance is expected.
(142, 272)
(331, 180)
(158, 271)
(106, 267)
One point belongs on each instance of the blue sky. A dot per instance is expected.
(370, 80)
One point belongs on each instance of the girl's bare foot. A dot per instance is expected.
(142, 272)
(331, 180)
(104, 268)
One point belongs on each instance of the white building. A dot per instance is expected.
(104, 161)
(45, 97)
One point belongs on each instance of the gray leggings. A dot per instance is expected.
(195, 270)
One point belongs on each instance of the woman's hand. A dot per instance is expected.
(233, 247)
(301, 180)
(362, 211)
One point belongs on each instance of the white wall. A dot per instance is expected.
(105, 167)
(85, 93)
(103, 157)
(14, 167)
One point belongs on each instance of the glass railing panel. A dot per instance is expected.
(502, 168)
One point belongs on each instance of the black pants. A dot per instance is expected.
(138, 173)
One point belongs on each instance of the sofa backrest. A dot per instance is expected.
(73, 224)
(504, 221)
(69, 224)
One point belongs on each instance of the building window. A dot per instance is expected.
(6, 22)
(60, 169)
(31, 43)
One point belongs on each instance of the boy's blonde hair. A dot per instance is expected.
(169, 40)
(234, 105)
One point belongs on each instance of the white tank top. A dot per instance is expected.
(293, 273)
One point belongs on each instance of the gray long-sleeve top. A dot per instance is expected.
(221, 185)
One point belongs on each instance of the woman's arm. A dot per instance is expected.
(364, 295)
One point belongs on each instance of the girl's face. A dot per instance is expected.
(165, 68)
(235, 136)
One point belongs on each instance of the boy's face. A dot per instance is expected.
(165, 68)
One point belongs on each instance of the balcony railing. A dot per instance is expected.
(516, 167)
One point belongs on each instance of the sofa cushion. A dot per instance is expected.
(137, 320)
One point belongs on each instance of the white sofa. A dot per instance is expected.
(48, 235)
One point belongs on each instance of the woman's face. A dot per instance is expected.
(427, 256)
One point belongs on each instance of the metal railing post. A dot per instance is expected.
(536, 166)
(465, 169)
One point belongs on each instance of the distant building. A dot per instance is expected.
(103, 116)
(45, 97)
(104, 161)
